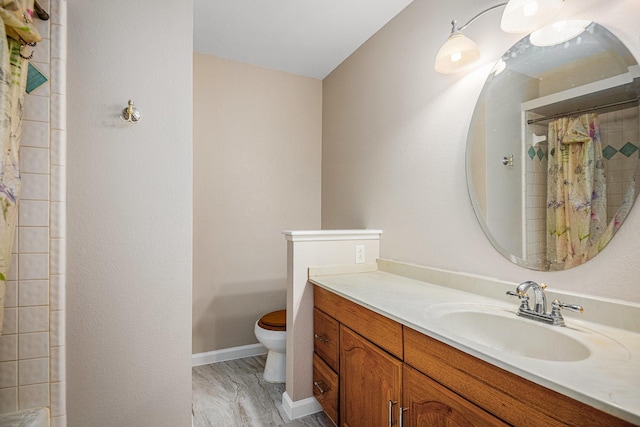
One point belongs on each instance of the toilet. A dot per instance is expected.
(271, 331)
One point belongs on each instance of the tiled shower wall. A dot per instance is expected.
(32, 345)
(620, 135)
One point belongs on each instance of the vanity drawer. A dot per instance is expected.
(326, 338)
(325, 387)
(380, 330)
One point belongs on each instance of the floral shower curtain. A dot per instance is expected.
(13, 78)
(576, 191)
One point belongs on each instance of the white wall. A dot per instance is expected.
(394, 137)
(129, 214)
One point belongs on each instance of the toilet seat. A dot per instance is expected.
(274, 321)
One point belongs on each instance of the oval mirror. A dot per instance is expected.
(553, 146)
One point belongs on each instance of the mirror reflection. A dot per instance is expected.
(553, 146)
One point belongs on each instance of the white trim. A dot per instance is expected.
(328, 235)
(300, 408)
(227, 354)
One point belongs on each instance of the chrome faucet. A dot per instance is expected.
(539, 311)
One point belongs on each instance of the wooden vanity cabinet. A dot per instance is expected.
(370, 382)
(380, 361)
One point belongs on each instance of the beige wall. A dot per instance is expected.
(257, 154)
(129, 214)
(394, 135)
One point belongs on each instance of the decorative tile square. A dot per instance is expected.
(44, 68)
(58, 147)
(10, 322)
(8, 374)
(540, 153)
(33, 396)
(58, 368)
(58, 259)
(33, 266)
(33, 319)
(57, 292)
(31, 346)
(34, 160)
(33, 213)
(34, 186)
(531, 152)
(608, 152)
(58, 184)
(8, 400)
(35, 134)
(34, 239)
(58, 329)
(58, 398)
(628, 149)
(33, 292)
(33, 371)
(36, 108)
(8, 348)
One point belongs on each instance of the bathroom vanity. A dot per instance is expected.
(389, 351)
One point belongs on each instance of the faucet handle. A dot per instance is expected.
(524, 298)
(556, 316)
(557, 305)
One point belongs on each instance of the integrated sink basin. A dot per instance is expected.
(510, 334)
(501, 329)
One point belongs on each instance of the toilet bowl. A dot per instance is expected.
(271, 330)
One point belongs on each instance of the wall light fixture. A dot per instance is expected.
(519, 16)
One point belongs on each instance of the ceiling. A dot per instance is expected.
(304, 37)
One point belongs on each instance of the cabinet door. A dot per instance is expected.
(429, 404)
(370, 383)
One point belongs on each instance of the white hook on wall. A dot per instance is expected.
(130, 114)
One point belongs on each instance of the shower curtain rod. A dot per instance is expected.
(586, 110)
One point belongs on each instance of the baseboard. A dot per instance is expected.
(300, 408)
(227, 354)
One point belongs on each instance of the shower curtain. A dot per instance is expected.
(576, 191)
(13, 78)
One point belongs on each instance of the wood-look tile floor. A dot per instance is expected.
(234, 393)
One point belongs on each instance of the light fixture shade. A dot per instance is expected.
(456, 54)
(558, 32)
(524, 16)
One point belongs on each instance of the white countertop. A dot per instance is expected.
(608, 380)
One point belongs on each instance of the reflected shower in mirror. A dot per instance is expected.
(554, 146)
